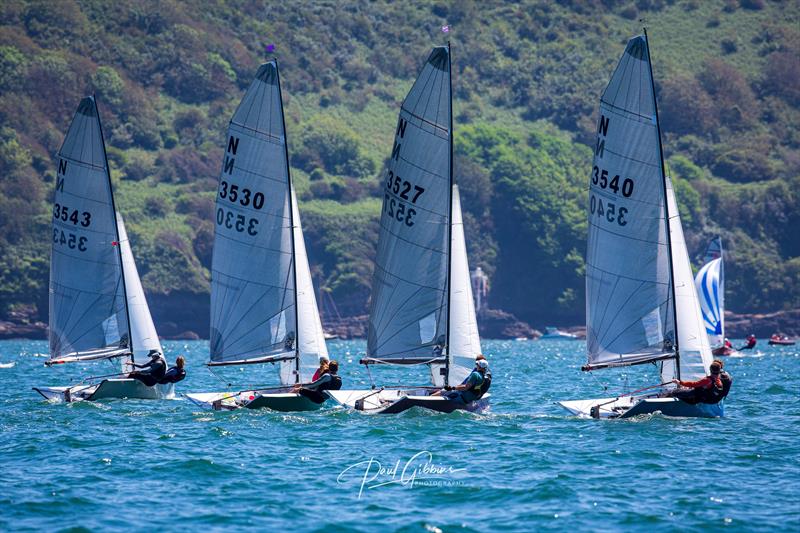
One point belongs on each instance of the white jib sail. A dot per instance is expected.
(311, 340)
(710, 284)
(408, 312)
(88, 316)
(628, 283)
(143, 331)
(465, 342)
(695, 352)
(252, 279)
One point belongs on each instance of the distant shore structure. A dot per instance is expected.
(480, 289)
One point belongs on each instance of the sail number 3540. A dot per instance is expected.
(600, 178)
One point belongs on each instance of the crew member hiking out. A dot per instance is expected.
(711, 389)
(327, 381)
(175, 373)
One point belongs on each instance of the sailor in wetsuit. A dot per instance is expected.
(328, 381)
(711, 389)
(175, 373)
(153, 371)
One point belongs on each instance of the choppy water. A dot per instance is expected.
(525, 466)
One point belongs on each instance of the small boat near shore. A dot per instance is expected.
(781, 340)
(551, 333)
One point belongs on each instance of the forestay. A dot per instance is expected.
(253, 315)
(311, 339)
(88, 316)
(408, 313)
(695, 352)
(465, 342)
(143, 331)
(711, 290)
(628, 279)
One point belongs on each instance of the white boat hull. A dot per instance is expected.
(109, 389)
(277, 401)
(629, 406)
(393, 401)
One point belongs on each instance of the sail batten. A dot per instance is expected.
(628, 271)
(88, 309)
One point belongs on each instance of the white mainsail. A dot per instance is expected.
(408, 312)
(143, 331)
(263, 306)
(710, 284)
(695, 352)
(465, 342)
(311, 339)
(628, 280)
(88, 314)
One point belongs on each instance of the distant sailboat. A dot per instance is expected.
(641, 303)
(263, 307)
(422, 310)
(710, 284)
(97, 306)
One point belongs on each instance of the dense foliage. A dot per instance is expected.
(168, 76)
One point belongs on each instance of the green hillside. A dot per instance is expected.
(527, 79)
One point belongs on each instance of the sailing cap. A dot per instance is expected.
(154, 353)
(482, 363)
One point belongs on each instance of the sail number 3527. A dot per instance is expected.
(402, 191)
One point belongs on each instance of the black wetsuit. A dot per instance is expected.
(156, 369)
(327, 381)
(173, 375)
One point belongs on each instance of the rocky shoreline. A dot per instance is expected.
(492, 323)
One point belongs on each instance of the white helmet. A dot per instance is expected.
(483, 364)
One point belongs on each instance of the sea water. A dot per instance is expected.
(526, 465)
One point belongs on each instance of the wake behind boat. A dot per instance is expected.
(98, 311)
(641, 302)
(422, 311)
(263, 307)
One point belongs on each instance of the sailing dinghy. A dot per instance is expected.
(263, 307)
(98, 310)
(422, 311)
(641, 303)
(710, 282)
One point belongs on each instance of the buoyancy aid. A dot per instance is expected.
(173, 375)
(335, 383)
(487, 382)
(719, 388)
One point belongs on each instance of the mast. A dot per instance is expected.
(449, 220)
(116, 229)
(666, 211)
(291, 226)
